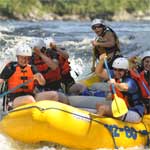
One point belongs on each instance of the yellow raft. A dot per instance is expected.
(89, 80)
(72, 127)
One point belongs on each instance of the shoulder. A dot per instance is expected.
(132, 84)
(11, 66)
(110, 31)
(8, 70)
(129, 79)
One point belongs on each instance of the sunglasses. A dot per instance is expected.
(118, 69)
(97, 26)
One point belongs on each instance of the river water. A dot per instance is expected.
(76, 37)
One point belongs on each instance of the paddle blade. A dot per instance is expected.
(118, 106)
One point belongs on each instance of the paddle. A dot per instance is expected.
(15, 88)
(118, 106)
(10, 91)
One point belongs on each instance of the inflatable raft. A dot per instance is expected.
(89, 80)
(72, 127)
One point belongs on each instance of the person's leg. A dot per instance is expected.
(104, 109)
(52, 95)
(67, 81)
(103, 86)
(131, 116)
(77, 89)
(22, 100)
(86, 101)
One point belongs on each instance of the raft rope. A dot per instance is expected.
(142, 132)
(148, 135)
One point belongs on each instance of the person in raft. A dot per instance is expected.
(126, 88)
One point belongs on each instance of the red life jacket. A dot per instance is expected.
(19, 77)
(64, 65)
(140, 78)
(43, 68)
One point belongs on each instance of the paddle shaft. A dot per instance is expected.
(17, 87)
(113, 86)
(109, 75)
(147, 90)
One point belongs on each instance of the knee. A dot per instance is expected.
(58, 96)
(77, 89)
(104, 109)
(54, 95)
(30, 99)
(63, 98)
(23, 100)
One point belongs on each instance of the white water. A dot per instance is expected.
(75, 37)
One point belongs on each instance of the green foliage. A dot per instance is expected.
(22, 7)
(91, 8)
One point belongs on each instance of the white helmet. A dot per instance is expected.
(23, 50)
(145, 54)
(121, 63)
(97, 21)
(48, 41)
(39, 43)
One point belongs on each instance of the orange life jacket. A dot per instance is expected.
(43, 68)
(64, 65)
(20, 76)
(140, 78)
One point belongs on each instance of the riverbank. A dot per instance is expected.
(125, 16)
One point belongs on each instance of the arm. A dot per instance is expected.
(52, 63)
(48, 60)
(63, 53)
(100, 71)
(39, 77)
(119, 86)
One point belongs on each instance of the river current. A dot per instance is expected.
(75, 37)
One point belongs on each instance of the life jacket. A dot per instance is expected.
(140, 78)
(43, 68)
(110, 51)
(131, 99)
(20, 76)
(64, 65)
